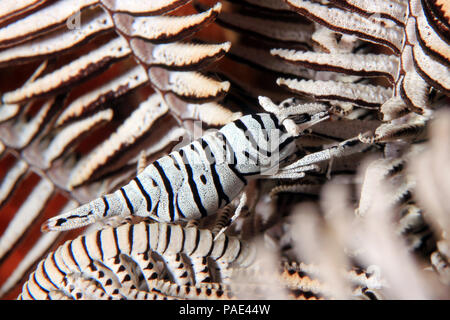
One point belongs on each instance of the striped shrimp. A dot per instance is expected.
(205, 175)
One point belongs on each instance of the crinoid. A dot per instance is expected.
(101, 87)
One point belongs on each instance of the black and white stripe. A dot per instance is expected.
(196, 180)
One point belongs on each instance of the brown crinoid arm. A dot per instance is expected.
(85, 87)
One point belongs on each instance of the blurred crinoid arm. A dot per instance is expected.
(431, 169)
(146, 260)
(338, 240)
(95, 82)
